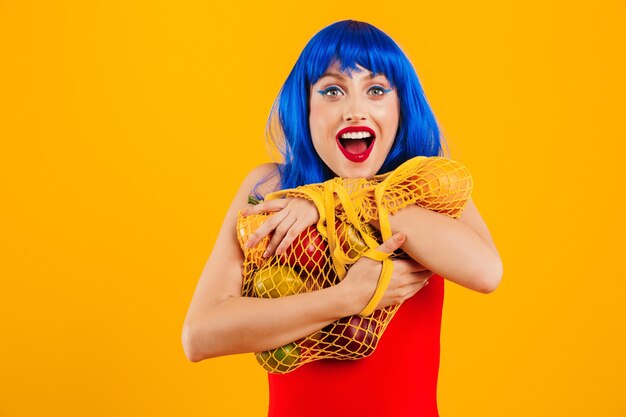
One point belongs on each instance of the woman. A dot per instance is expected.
(352, 107)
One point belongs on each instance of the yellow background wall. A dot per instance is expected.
(126, 128)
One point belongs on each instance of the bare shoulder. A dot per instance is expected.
(263, 170)
(265, 178)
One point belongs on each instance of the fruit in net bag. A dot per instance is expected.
(273, 281)
(351, 241)
(282, 359)
(245, 227)
(353, 336)
(350, 337)
(307, 251)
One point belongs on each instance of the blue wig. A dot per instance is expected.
(350, 43)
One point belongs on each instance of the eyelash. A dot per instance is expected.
(379, 88)
(325, 91)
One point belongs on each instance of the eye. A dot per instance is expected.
(377, 90)
(332, 91)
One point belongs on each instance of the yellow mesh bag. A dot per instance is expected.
(321, 255)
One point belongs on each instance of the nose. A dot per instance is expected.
(349, 117)
(354, 111)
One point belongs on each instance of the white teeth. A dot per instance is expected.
(356, 135)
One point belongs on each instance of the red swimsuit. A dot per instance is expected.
(399, 379)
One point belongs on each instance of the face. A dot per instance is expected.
(353, 121)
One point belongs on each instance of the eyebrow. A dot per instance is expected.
(343, 77)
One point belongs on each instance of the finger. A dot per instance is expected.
(422, 275)
(265, 229)
(265, 206)
(408, 266)
(416, 266)
(393, 243)
(404, 293)
(403, 279)
(412, 264)
(413, 278)
(412, 289)
(295, 230)
(279, 235)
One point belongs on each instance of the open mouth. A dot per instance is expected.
(356, 142)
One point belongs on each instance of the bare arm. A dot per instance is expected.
(222, 322)
(461, 251)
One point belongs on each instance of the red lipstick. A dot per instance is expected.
(361, 156)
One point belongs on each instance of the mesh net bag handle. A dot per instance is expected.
(327, 227)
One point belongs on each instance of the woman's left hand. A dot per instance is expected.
(291, 216)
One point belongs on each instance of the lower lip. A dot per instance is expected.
(356, 157)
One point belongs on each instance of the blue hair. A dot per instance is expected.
(350, 43)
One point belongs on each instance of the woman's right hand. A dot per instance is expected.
(407, 279)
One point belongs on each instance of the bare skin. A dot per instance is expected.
(222, 322)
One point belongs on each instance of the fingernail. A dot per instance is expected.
(266, 253)
(244, 212)
(398, 237)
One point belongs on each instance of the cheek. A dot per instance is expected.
(390, 117)
(320, 122)
(316, 128)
